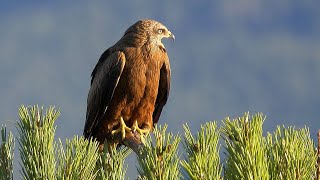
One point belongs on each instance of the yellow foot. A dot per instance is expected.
(135, 127)
(123, 129)
(142, 132)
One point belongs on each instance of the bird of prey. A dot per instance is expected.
(130, 84)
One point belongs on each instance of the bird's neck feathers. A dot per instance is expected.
(134, 39)
(155, 42)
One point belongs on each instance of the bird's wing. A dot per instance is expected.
(104, 81)
(163, 91)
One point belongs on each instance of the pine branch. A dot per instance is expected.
(291, 154)
(36, 142)
(6, 155)
(159, 161)
(246, 149)
(202, 160)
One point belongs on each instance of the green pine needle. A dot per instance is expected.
(78, 160)
(110, 164)
(159, 161)
(202, 160)
(36, 143)
(246, 148)
(291, 154)
(6, 155)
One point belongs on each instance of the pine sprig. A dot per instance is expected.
(78, 160)
(158, 158)
(6, 155)
(291, 154)
(202, 153)
(36, 142)
(246, 148)
(110, 164)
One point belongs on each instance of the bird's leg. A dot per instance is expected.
(123, 128)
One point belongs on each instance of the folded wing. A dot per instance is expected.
(163, 91)
(105, 78)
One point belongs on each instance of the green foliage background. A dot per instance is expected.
(287, 153)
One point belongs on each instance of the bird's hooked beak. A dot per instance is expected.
(171, 36)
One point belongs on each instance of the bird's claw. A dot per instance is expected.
(123, 128)
(142, 132)
(135, 127)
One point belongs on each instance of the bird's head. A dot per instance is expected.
(160, 31)
(153, 30)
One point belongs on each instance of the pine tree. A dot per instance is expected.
(287, 153)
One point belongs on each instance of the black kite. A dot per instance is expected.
(130, 84)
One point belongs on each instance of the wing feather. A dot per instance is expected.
(105, 78)
(163, 91)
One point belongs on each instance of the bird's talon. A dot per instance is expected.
(123, 128)
(135, 127)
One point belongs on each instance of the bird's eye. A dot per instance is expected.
(160, 31)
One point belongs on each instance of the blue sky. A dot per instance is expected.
(229, 57)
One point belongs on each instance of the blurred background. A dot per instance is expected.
(229, 57)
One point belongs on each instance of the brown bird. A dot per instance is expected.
(130, 85)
